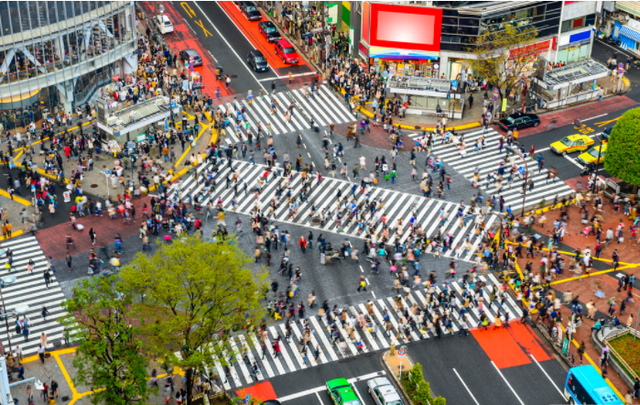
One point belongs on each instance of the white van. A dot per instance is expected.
(164, 24)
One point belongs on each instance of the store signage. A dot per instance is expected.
(633, 24)
(405, 27)
(533, 49)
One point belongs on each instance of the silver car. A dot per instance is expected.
(383, 392)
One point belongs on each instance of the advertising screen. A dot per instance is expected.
(406, 27)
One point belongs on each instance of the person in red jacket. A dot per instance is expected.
(303, 244)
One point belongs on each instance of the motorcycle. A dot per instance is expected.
(588, 169)
(219, 73)
(612, 41)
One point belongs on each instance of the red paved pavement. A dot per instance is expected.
(184, 38)
(53, 240)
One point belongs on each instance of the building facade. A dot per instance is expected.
(449, 28)
(55, 54)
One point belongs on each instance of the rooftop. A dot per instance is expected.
(419, 83)
(577, 72)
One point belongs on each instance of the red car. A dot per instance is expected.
(286, 52)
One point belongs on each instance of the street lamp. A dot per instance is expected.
(5, 281)
(595, 178)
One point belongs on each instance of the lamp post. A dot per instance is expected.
(595, 179)
(525, 175)
(5, 281)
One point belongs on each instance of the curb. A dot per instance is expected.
(394, 380)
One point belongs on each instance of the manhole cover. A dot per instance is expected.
(94, 186)
(418, 127)
(234, 76)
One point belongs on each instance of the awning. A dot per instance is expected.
(629, 33)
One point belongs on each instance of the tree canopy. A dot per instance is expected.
(502, 57)
(193, 294)
(622, 159)
(109, 356)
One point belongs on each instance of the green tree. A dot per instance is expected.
(194, 294)
(109, 358)
(502, 56)
(623, 149)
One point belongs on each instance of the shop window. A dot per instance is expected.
(591, 20)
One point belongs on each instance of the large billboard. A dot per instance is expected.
(406, 27)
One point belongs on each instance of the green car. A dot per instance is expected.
(342, 393)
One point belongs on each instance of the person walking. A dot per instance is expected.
(45, 313)
(93, 236)
(41, 353)
(362, 284)
(69, 260)
(47, 278)
(303, 244)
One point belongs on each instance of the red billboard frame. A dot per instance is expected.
(415, 11)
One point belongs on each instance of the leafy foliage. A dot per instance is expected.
(493, 50)
(109, 358)
(623, 150)
(418, 390)
(193, 295)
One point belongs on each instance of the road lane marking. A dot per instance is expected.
(214, 58)
(593, 118)
(545, 373)
(316, 390)
(319, 399)
(467, 388)
(572, 160)
(229, 45)
(507, 382)
(190, 27)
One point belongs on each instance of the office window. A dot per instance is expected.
(577, 23)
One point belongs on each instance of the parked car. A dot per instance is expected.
(257, 61)
(249, 9)
(341, 392)
(164, 24)
(571, 143)
(519, 121)
(188, 53)
(383, 392)
(269, 30)
(286, 52)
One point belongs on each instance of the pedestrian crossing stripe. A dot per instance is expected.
(30, 289)
(396, 205)
(487, 161)
(322, 106)
(291, 359)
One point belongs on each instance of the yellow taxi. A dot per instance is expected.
(572, 143)
(591, 156)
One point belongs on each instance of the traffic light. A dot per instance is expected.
(449, 95)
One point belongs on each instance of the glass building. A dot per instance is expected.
(55, 54)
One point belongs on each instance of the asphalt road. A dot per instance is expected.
(457, 369)
(307, 387)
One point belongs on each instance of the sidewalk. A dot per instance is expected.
(59, 367)
(596, 289)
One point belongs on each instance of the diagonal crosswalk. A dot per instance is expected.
(322, 105)
(488, 160)
(30, 289)
(433, 216)
(377, 325)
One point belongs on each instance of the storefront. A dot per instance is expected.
(574, 46)
(407, 67)
(424, 95)
(628, 34)
(569, 84)
(404, 40)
